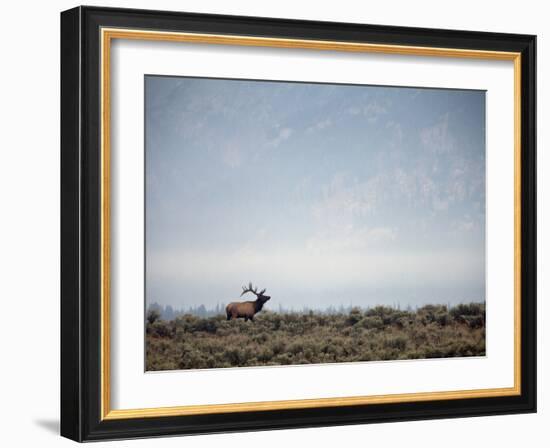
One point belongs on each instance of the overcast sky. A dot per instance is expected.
(324, 194)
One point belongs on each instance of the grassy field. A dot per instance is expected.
(381, 333)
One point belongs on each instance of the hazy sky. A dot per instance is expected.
(324, 194)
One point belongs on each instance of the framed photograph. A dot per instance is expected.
(272, 223)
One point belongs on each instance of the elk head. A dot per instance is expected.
(260, 297)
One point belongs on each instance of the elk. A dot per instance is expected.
(247, 310)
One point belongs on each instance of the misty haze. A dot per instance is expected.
(330, 196)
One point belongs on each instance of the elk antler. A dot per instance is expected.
(253, 290)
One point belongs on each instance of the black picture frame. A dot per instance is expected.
(81, 224)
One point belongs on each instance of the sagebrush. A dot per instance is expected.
(380, 333)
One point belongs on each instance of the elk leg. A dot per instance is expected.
(245, 319)
(251, 318)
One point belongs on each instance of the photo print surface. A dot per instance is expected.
(303, 223)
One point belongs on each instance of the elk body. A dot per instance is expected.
(247, 310)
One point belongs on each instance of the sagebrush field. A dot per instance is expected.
(380, 333)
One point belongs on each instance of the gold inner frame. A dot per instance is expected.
(107, 35)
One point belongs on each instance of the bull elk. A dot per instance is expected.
(247, 310)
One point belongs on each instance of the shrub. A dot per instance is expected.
(354, 316)
(369, 322)
(209, 325)
(152, 316)
(397, 343)
(161, 329)
(470, 309)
